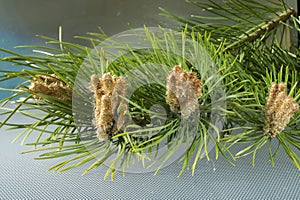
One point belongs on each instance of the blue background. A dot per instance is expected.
(21, 20)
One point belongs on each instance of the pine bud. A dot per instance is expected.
(279, 109)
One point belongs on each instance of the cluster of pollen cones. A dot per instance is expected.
(279, 109)
(51, 86)
(183, 91)
(110, 107)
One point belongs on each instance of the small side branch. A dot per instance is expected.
(262, 29)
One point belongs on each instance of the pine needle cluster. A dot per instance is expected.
(84, 107)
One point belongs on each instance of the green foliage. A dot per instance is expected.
(258, 35)
(245, 39)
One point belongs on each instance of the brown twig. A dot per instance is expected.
(262, 29)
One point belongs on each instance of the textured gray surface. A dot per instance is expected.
(23, 177)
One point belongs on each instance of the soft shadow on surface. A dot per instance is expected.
(23, 177)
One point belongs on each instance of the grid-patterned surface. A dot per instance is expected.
(22, 177)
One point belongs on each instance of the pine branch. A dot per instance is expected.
(246, 76)
(56, 125)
